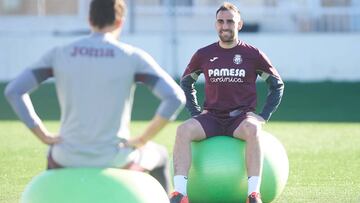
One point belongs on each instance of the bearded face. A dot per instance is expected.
(227, 35)
(227, 26)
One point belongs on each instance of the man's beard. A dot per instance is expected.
(228, 38)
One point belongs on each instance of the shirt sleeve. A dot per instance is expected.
(275, 85)
(161, 84)
(194, 65)
(264, 65)
(187, 83)
(18, 90)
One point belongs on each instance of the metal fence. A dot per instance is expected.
(265, 19)
(199, 15)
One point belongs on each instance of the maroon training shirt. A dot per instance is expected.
(230, 75)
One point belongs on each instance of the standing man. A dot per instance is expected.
(95, 81)
(230, 67)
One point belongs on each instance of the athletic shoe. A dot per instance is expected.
(254, 198)
(177, 197)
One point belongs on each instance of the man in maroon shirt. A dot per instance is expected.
(230, 67)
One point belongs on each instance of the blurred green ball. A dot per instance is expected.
(93, 185)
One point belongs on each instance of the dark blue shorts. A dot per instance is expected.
(219, 125)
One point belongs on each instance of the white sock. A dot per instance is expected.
(254, 184)
(180, 183)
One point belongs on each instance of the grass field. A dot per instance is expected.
(324, 159)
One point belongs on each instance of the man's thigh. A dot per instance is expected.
(192, 130)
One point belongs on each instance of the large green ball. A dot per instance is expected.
(218, 170)
(93, 185)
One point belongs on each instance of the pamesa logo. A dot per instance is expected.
(226, 75)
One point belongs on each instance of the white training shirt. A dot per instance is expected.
(95, 81)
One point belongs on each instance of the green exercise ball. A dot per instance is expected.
(93, 185)
(218, 171)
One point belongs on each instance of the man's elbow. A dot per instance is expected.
(184, 85)
(187, 82)
(277, 85)
(9, 92)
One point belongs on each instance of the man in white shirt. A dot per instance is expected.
(95, 80)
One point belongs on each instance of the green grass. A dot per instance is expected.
(324, 159)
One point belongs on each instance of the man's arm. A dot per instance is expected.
(155, 125)
(163, 87)
(275, 93)
(17, 94)
(172, 101)
(187, 83)
(44, 135)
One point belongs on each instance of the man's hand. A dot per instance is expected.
(136, 142)
(50, 139)
(44, 136)
(256, 117)
(154, 126)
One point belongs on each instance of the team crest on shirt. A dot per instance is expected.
(237, 59)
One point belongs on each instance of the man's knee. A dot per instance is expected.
(248, 130)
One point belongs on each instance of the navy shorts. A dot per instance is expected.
(219, 125)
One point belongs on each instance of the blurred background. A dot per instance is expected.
(314, 44)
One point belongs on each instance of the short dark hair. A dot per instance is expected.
(105, 12)
(226, 6)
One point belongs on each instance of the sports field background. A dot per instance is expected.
(302, 101)
(318, 123)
